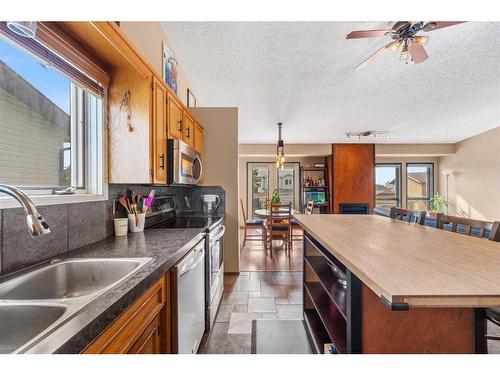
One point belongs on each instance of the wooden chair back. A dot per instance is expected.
(243, 213)
(309, 208)
(468, 225)
(408, 215)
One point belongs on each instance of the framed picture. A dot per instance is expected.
(191, 100)
(169, 68)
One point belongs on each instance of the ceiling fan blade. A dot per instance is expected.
(434, 25)
(417, 52)
(371, 57)
(368, 33)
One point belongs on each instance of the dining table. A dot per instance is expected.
(265, 213)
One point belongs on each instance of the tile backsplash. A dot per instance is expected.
(78, 224)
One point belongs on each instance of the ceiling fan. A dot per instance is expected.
(404, 34)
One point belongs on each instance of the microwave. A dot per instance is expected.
(183, 163)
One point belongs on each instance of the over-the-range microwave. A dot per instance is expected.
(183, 163)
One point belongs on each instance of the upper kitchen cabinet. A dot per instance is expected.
(159, 131)
(187, 128)
(198, 138)
(174, 113)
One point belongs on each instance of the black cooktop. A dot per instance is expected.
(188, 222)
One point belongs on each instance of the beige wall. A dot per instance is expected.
(220, 154)
(149, 37)
(474, 186)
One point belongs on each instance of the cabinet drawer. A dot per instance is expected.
(121, 336)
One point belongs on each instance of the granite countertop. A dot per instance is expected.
(165, 246)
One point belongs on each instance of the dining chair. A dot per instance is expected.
(408, 215)
(279, 224)
(254, 224)
(479, 226)
(469, 227)
(295, 225)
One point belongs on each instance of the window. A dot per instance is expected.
(51, 128)
(419, 185)
(387, 186)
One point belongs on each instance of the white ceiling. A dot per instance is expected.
(302, 73)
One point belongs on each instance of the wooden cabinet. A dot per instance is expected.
(187, 128)
(144, 328)
(198, 138)
(159, 111)
(174, 116)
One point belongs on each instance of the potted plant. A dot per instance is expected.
(275, 199)
(437, 204)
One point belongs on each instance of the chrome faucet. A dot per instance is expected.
(36, 223)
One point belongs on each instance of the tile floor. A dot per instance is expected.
(248, 296)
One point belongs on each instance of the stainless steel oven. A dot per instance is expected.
(183, 163)
(215, 272)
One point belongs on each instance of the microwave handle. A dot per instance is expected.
(201, 169)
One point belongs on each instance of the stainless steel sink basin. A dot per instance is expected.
(21, 323)
(36, 304)
(69, 279)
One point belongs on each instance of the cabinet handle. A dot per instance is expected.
(187, 132)
(180, 125)
(162, 161)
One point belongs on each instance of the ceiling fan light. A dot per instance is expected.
(422, 40)
(26, 29)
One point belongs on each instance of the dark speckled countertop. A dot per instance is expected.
(165, 246)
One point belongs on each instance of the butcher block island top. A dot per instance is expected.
(409, 263)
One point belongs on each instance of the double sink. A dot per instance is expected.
(35, 304)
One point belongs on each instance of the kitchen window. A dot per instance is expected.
(51, 121)
(387, 185)
(419, 185)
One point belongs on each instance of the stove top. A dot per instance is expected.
(189, 222)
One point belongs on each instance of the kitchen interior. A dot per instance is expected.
(145, 211)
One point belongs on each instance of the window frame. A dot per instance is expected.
(94, 187)
(399, 196)
(431, 184)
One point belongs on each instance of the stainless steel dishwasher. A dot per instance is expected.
(188, 297)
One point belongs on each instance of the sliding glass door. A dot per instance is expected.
(264, 178)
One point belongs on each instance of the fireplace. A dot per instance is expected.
(354, 208)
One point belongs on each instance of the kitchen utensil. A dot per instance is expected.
(211, 203)
(149, 200)
(123, 202)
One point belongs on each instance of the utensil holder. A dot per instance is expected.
(141, 219)
(121, 227)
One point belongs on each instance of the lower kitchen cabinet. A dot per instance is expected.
(144, 328)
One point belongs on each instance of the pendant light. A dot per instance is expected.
(280, 150)
(23, 28)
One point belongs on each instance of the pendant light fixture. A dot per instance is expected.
(280, 150)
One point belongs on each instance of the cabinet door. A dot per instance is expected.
(150, 341)
(187, 129)
(174, 114)
(198, 138)
(159, 133)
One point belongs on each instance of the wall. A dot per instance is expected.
(148, 38)
(474, 186)
(221, 154)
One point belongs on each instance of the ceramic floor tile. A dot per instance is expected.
(289, 312)
(220, 342)
(261, 305)
(235, 297)
(281, 301)
(240, 308)
(269, 316)
(241, 323)
(249, 284)
(295, 296)
(273, 290)
(255, 293)
(224, 313)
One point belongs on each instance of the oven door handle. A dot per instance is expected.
(219, 235)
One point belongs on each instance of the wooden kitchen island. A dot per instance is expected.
(377, 285)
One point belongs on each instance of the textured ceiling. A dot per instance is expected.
(302, 73)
